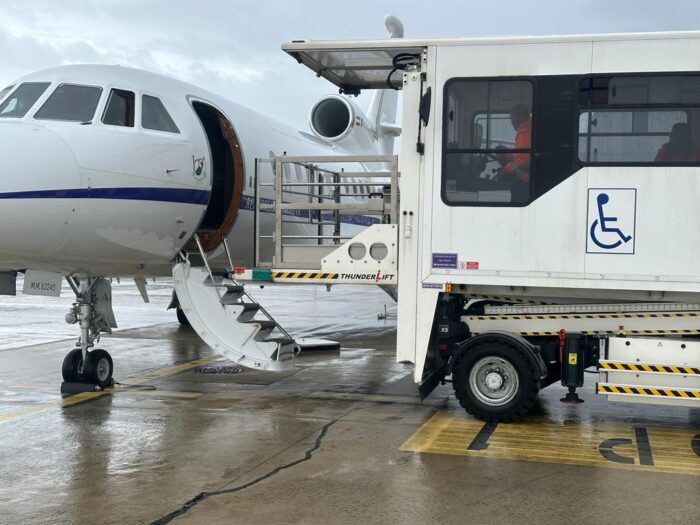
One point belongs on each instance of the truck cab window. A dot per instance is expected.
(120, 109)
(154, 116)
(22, 99)
(70, 102)
(487, 148)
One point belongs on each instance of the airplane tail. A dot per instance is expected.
(382, 113)
(383, 106)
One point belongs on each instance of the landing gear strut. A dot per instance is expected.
(93, 310)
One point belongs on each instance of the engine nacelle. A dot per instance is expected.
(339, 120)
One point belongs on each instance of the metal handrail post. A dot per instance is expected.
(394, 189)
(256, 214)
(206, 263)
(278, 237)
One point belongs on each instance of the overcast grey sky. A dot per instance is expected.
(233, 47)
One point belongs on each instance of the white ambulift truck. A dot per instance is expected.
(548, 218)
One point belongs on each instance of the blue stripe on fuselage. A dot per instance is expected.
(180, 195)
(177, 195)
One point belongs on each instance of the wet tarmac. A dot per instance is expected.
(189, 438)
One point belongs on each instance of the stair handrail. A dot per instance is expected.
(206, 263)
(261, 308)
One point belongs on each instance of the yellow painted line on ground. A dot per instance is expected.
(170, 370)
(43, 407)
(87, 396)
(597, 444)
(373, 398)
(161, 393)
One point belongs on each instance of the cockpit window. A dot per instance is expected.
(120, 109)
(22, 99)
(70, 102)
(5, 91)
(155, 116)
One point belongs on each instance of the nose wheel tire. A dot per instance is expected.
(73, 370)
(495, 381)
(98, 368)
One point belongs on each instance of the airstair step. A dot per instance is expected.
(283, 341)
(220, 279)
(250, 307)
(232, 295)
(230, 299)
(231, 329)
(195, 259)
(264, 324)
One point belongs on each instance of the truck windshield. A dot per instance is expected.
(21, 99)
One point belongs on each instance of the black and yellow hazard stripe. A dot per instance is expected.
(643, 367)
(668, 331)
(549, 317)
(303, 275)
(648, 391)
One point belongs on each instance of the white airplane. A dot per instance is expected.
(111, 171)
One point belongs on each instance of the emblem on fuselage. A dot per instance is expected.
(198, 167)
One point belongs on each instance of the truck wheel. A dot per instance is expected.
(496, 382)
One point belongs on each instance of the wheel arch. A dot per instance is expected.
(501, 337)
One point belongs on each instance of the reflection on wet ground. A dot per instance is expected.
(343, 438)
(27, 320)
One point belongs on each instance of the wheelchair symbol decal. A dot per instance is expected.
(611, 220)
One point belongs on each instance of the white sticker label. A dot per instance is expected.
(42, 283)
(611, 221)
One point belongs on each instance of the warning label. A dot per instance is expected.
(468, 265)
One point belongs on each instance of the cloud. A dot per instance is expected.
(233, 47)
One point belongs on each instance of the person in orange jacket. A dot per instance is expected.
(516, 166)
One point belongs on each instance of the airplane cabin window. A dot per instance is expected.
(154, 116)
(71, 102)
(120, 109)
(22, 99)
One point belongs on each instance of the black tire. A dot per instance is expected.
(182, 318)
(98, 368)
(72, 369)
(522, 396)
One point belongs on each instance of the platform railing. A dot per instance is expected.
(317, 203)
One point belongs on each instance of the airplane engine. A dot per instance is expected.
(339, 120)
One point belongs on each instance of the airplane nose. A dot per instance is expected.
(35, 159)
(39, 170)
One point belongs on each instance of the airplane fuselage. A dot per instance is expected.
(107, 199)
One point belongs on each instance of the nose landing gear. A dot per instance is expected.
(93, 311)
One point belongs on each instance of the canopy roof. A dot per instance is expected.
(353, 65)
